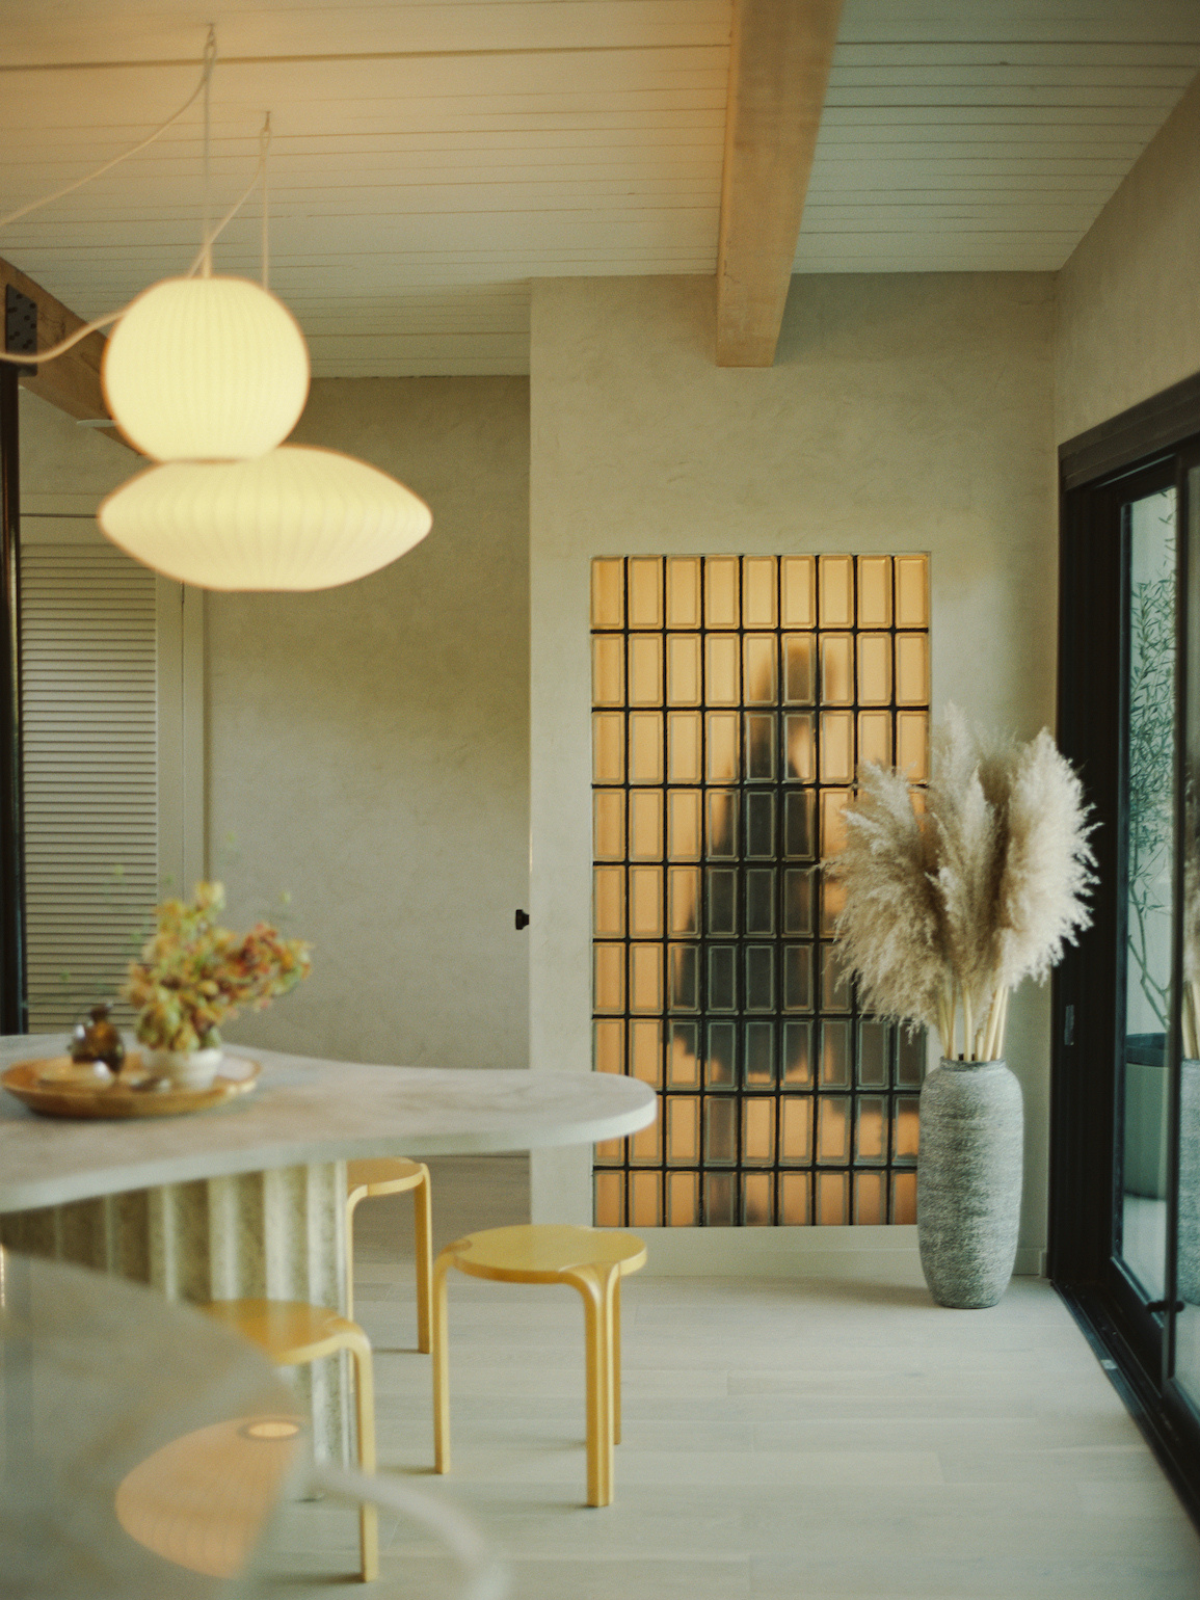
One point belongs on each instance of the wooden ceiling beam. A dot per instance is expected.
(71, 381)
(778, 76)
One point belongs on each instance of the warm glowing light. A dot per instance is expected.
(206, 369)
(270, 1428)
(296, 518)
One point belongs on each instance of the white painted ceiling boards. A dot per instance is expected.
(430, 159)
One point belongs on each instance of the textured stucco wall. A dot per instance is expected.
(904, 412)
(1129, 310)
(368, 745)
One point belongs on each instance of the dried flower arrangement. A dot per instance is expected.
(949, 906)
(194, 975)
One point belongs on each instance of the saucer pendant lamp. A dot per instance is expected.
(206, 369)
(294, 518)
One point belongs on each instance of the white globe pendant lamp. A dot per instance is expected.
(206, 369)
(295, 518)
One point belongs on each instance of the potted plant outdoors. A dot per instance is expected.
(952, 898)
(194, 975)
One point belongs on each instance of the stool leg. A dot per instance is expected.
(423, 1227)
(364, 1403)
(596, 1286)
(351, 1205)
(616, 1359)
(441, 1366)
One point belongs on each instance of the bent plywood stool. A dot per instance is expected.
(379, 1175)
(592, 1260)
(293, 1334)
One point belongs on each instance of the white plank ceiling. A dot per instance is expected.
(429, 160)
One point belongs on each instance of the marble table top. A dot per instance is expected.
(306, 1111)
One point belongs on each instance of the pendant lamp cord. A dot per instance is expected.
(264, 146)
(210, 238)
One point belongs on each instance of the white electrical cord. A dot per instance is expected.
(260, 171)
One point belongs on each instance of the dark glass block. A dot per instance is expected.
(760, 901)
(797, 1055)
(683, 1056)
(683, 978)
(760, 977)
(835, 1055)
(835, 984)
(874, 1055)
(722, 977)
(760, 747)
(720, 1199)
(910, 1059)
(799, 829)
(721, 1058)
(760, 824)
(759, 1044)
(797, 977)
(798, 902)
(721, 918)
(720, 1130)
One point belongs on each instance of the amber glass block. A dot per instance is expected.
(608, 669)
(722, 840)
(608, 824)
(609, 977)
(837, 669)
(683, 1056)
(683, 900)
(608, 747)
(795, 1199)
(797, 592)
(646, 826)
(874, 669)
(610, 1199)
(724, 747)
(760, 587)
(608, 1045)
(874, 591)
(758, 1200)
(720, 1199)
(870, 1199)
(799, 825)
(608, 593)
(645, 977)
(798, 902)
(608, 902)
(645, 592)
(796, 1130)
(683, 1130)
(759, 661)
(645, 902)
(722, 596)
(683, 825)
(837, 747)
(645, 669)
(799, 669)
(835, 1055)
(833, 898)
(645, 1200)
(904, 1198)
(797, 977)
(683, 669)
(645, 747)
(610, 1153)
(759, 746)
(722, 677)
(875, 737)
(912, 744)
(833, 1130)
(683, 747)
(833, 1199)
(906, 1130)
(833, 821)
(683, 591)
(870, 1131)
(683, 1199)
(720, 1130)
(645, 1147)
(836, 579)
(912, 669)
(912, 591)
(683, 976)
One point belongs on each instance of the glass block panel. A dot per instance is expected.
(608, 669)
(760, 656)
(683, 968)
(874, 1055)
(912, 669)
(608, 593)
(875, 669)
(835, 984)
(760, 1055)
(722, 977)
(837, 669)
(683, 825)
(906, 1128)
(758, 1130)
(870, 1130)
(912, 591)
(760, 902)
(870, 1199)
(683, 591)
(797, 1055)
(645, 669)
(608, 747)
(760, 977)
(683, 747)
(875, 738)
(608, 977)
(836, 578)
(683, 1056)
(645, 902)
(645, 592)
(608, 1045)
(912, 744)
(798, 591)
(874, 591)
(833, 1199)
(646, 977)
(720, 1062)
(833, 821)
(683, 1199)
(833, 898)
(683, 900)
(645, 1147)
(801, 747)
(904, 1198)
(799, 669)
(645, 1200)
(722, 592)
(722, 907)
(795, 1199)
(683, 1130)
(910, 1060)
(720, 1199)
(758, 1200)
(724, 747)
(722, 669)
(796, 1130)
(608, 902)
(610, 1199)
(833, 1130)
(722, 840)
(760, 823)
(645, 747)
(798, 902)
(759, 746)
(609, 1153)
(837, 747)
(720, 1129)
(797, 977)
(683, 669)
(835, 1055)
(645, 1052)
(759, 589)
(608, 824)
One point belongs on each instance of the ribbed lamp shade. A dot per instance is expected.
(296, 518)
(206, 369)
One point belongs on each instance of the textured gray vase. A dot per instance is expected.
(1188, 1250)
(969, 1181)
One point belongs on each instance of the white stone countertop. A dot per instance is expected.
(306, 1111)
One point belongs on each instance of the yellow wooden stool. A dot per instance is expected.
(379, 1175)
(592, 1260)
(293, 1334)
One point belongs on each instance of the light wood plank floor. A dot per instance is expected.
(790, 1440)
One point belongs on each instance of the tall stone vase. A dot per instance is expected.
(1188, 1248)
(969, 1181)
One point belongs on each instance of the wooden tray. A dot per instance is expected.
(131, 1095)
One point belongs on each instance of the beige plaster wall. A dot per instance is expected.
(904, 412)
(368, 745)
(1129, 310)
